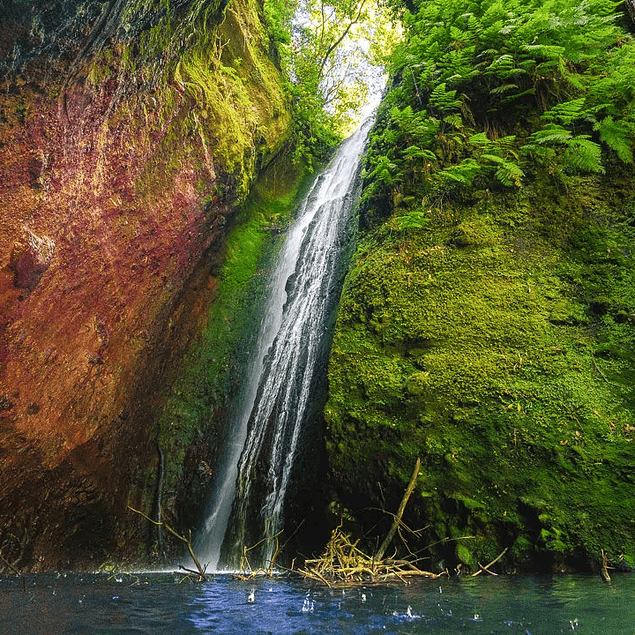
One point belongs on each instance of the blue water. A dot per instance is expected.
(155, 604)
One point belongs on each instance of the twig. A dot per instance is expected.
(604, 571)
(413, 480)
(487, 566)
(9, 565)
(595, 364)
(188, 541)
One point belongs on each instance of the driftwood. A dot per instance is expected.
(200, 572)
(604, 569)
(246, 570)
(404, 501)
(344, 563)
(487, 566)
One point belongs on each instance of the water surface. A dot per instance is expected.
(160, 603)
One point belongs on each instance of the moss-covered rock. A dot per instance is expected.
(487, 321)
(193, 423)
(501, 354)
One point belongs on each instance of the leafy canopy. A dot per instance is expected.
(331, 52)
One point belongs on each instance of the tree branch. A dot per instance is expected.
(188, 541)
(337, 42)
(390, 535)
(487, 566)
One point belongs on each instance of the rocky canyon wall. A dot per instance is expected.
(128, 131)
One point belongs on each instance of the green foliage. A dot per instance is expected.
(329, 65)
(615, 135)
(487, 94)
(278, 14)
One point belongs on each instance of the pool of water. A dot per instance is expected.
(158, 603)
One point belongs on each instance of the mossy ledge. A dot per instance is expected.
(502, 356)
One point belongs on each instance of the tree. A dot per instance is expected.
(330, 62)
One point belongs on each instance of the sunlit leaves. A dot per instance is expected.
(329, 63)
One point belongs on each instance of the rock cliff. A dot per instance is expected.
(487, 324)
(129, 130)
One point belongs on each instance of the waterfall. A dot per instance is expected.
(255, 472)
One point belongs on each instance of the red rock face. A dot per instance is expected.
(104, 221)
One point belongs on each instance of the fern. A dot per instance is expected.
(583, 154)
(385, 172)
(566, 112)
(415, 152)
(462, 174)
(444, 100)
(549, 135)
(549, 52)
(499, 90)
(480, 139)
(507, 172)
(454, 119)
(503, 66)
(416, 219)
(615, 135)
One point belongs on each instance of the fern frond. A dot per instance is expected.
(566, 112)
(416, 219)
(510, 98)
(444, 100)
(510, 174)
(543, 154)
(480, 138)
(550, 134)
(549, 52)
(414, 152)
(506, 143)
(463, 173)
(615, 135)
(499, 90)
(502, 63)
(454, 119)
(583, 154)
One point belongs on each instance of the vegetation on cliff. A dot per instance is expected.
(487, 323)
(199, 405)
(196, 409)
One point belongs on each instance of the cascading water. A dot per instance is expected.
(290, 354)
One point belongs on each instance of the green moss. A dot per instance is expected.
(210, 76)
(215, 362)
(503, 359)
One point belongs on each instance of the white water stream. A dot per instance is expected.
(277, 393)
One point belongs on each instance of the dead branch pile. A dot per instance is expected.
(343, 563)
